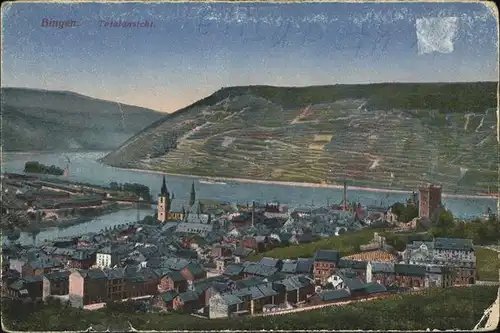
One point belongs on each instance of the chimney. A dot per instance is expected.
(345, 194)
(253, 213)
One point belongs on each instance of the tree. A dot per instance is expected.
(445, 220)
(398, 208)
(405, 213)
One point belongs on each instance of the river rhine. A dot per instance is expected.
(84, 167)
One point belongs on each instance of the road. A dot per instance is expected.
(319, 306)
(493, 312)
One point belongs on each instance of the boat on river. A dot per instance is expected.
(211, 182)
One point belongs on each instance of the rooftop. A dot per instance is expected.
(327, 255)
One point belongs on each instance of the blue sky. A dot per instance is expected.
(194, 49)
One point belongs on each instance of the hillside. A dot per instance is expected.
(387, 135)
(60, 120)
(442, 309)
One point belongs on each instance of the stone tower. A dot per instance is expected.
(163, 202)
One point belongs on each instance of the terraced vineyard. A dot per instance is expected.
(386, 135)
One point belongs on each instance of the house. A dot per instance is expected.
(110, 256)
(303, 239)
(140, 281)
(41, 266)
(374, 288)
(234, 272)
(175, 264)
(257, 269)
(115, 284)
(439, 276)
(56, 283)
(187, 302)
(271, 262)
(246, 297)
(27, 287)
(325, 263)
(222, 262)
(259, 296)
(280, 298)
(5, 263)
(193, 271)
(17, 264)
(15, 289)
(111, 284)
(412, 276)
(221, 250)
(380, 272)
(87, 287)
(297, 288)
(250, 243)
(223, 306)
(82, 259)
(331, 296)
(452, 252)
(337, 279)
(305, 265)
(241, 253)
(165, 300)
(211, 286)
(172, 280)
(458, 253)
(289, 267)
(62, 254)
(201, 229)
(355, 287)
(265, 295)
(358, 267)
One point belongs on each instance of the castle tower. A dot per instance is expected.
(429, 201)
(163, 202)
(192, 197)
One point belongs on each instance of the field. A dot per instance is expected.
(452, 308)
(346, 244)
(488, 264)
(382, 135)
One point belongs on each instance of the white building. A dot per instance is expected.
(194, 228)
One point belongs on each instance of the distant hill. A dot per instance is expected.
(34, 120)
(394, 135)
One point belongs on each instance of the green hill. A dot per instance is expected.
(395, 135)
(443, 309)
(60, 120)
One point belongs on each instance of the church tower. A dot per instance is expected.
(192, 197)
(163, 202)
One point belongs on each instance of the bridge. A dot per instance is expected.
(125, 200)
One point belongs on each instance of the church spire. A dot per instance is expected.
(164, 190)
(192, 198)
(198, 208)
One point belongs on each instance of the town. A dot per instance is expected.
(32, 203)
(201, 258)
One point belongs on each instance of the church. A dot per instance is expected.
(166, 212)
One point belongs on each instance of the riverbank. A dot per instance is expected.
(300, 184)
(69, 222)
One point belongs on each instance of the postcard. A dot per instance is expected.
(249, 166)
